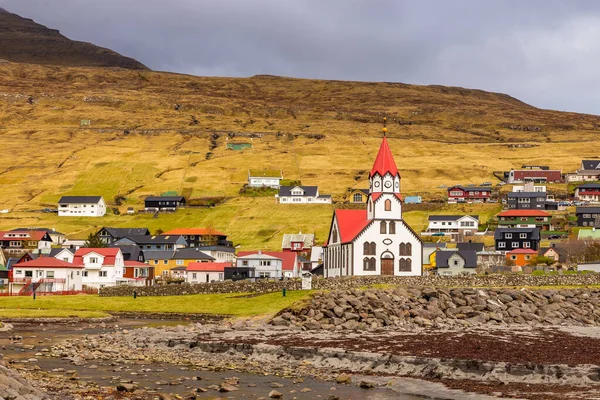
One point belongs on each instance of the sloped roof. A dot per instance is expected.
(524, 213)
(309, 191)
(522, 251)
(47, 262)
(158, 254)
(377, 195)
(384, 162)
(130, 251)
(471, 188)
(124, 232)
(350, 223)
(191, 254)
(589, 186)
(450, 217)
(289, 238)
(79, 200)
(470, 246)
(442, 257)
(526, 194)
(208, 266)
(288, 258)
(159, 239)
(194, 231)
(590, 164)
(226, 249)
(134, 263)
(587, 210)
(109, 254)
(48, 230)
(535, 232)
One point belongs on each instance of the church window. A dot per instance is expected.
(357, 198)
(334, 237)
(370, 206)
(405, 249)
(388, 205)
(382, 228)
(369, 264)
(392, 228)
(405, 265)
(369, 249)
(408, 249)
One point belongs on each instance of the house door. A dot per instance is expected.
(387, 266)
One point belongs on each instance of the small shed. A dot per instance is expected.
(413, 200)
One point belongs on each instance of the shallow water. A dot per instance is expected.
(170, 378)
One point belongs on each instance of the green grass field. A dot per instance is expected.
(236, 304)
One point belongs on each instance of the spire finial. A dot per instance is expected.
(384, 129)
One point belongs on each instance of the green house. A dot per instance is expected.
(525, 219)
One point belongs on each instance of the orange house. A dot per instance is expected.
(521, 257)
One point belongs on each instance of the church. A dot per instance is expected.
(375, 241)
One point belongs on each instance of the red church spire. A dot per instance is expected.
(384, 162)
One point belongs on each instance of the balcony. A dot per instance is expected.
(45, 280)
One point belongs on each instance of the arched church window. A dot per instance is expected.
(388, 205)
(373, 248)
(408, 249)
(334, 236)
(382, 227)
(405, 265)
(392, 228)
(402, 249)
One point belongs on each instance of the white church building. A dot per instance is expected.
(375, 241)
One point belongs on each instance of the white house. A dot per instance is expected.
(206, 272)
(221, 254)
(375, 241)
(529, 187)
(316, 256)
(58, 253)
(264, 266)
(453, 224)
(258, 178)
(46, 274)
(589, 171)
(102, 267)
(457, 262)
(301, 195)
(81, 206)
(589, 266)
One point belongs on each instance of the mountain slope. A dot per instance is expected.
(23, 40)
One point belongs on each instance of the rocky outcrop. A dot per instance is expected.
(443, 308)
(12, 386)
(355, 282)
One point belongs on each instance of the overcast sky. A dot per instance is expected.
(544, 52)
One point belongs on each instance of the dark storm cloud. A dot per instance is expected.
(544, 52)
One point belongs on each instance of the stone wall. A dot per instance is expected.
(443, 308)
(355, 282)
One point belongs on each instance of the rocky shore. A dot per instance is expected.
(443, 308)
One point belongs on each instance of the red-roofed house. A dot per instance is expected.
(525, 219)
(206, 272)
(375, 241)
(103, 266)
(270, 264)
(18, 242)
(45, 274)
(521, 257)
(139, 273)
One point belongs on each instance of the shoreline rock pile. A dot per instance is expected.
(443, 308)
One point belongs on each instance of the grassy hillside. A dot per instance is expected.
(156, 132)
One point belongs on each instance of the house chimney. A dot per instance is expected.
(553, 245)
(259, 252)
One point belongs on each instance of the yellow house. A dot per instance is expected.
(161, 261)
(429, 250)
(358, 196)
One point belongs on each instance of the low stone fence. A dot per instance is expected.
(347, 283)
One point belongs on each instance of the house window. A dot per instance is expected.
(501, 245)
(193, 237)
(405, 265)
(513, 257)
(179, 262)
(220, 276)
(357, 198)
(265, 263)
(31, 243)
(522, 236)
(456, 263)
(155, 262)
(528, 257)
(382, 228)
(515, 245)
(165, 262)
(93, 260)
(392, 228)
(388, 205)
(28, 274)
(508, 236)
(49, 274)
(264, 274)
(194, 275)
(103, 274)
(526, 245)
(15, 244)
(245, 263)
(369, 264)
(85, 273)
(18, 272)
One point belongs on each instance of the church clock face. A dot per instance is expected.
(376, 184)
(388, 184)
(397, 185)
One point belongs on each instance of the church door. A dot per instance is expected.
(387, 266)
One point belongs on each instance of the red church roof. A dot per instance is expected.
(350, 223)
(377, 195)
(384, 162)
(47, 262)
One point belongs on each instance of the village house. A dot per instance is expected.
(264, 178)
(301, 195)
(45, 274)
(456, 262)
(429, 249)
(521, 257)
(270, 264)
(206, 272)
(219, 253)
(183, 257)
(131, 252)
(588, 192)
(413, 200)
(110, 235)
(197, 237)
(589, 171)
(102, 266)
(588, 216)
(57, 237)
(161, 260)
(298, 242)
(3, 274)
(529, 187)
(358, 196)
(553, 252)
(525, 219)
(58, 253)
(470, 245)
(73, 244)
(18, 242)
(536, 174)
(469, 194)
(138, 273)
(508, 239)
(375, 241)
(593, 266)
(158, 242)
(164, 203)
(453, 224)
(526, 200)
(81, 206)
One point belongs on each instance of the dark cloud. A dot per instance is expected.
(544, 52)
